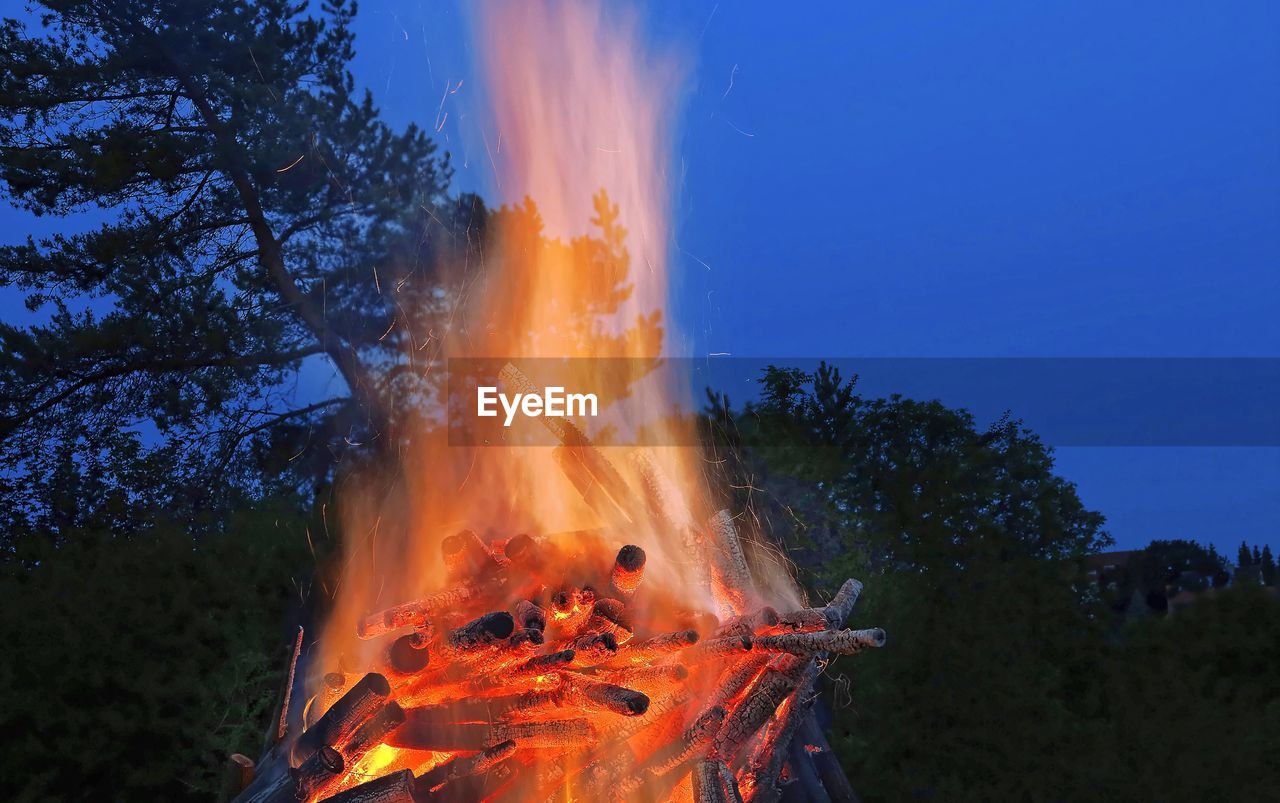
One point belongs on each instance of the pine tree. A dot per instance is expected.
(1257, 556)
(1243, 558)
(258, 213)
(1268, 566)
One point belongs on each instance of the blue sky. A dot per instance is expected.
(1048, 179)
(938, 179)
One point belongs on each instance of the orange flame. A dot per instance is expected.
(577, 268)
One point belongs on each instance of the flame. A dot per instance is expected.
(574, 265)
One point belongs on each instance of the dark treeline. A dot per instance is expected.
(164, 498)
(1017, 667)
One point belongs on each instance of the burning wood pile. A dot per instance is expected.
(548, 669)
(515, 684)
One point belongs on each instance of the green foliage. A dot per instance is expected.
(1191, 705)
(1002, 679)
(135, 665)
(258, 214)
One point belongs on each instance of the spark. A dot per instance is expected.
(739, 130)
(732, 73)
(710, 17)
(291, 165)
(695, 258)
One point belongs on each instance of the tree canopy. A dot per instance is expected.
(256, 213)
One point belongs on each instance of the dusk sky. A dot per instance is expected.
(1043, 179)
(1049, 179)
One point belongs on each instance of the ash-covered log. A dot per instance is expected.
(714, 783)
(752, 712)
(804, 620)
(748, 624)
(838, 610)
(733, 646)
(840, 642)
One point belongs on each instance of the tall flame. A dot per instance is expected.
(576, 267)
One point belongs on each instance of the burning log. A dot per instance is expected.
(555, 733)
(525, 640)
(610, 616)
(572, 463)
(574, 439)
(695, 740)
(337, 724)
(572, 608)
(398, 787)
(751, 714)
(483, 631)
(656, 648)
(407, 655)
(730, 561)
(646, 676)
(669, 510)
(840, 642)
(804, 620)
(466, 556)
(530, 615)
(324, 766)
(765, 763)
(540, 664)
(585, 692)
(628, 570)
(372, 733)
(748, 624)
(735, 681)
(426, 733)
(414, 614)
(456, 768)
(714, 783)
(659, 707)
(593, 648)
(841, 605)
(732, 646)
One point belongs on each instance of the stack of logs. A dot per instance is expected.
(569, 687)
(549, 670)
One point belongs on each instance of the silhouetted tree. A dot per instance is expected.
(1268, 566)
(969, 547)
(258, 214)
(1243, 556)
